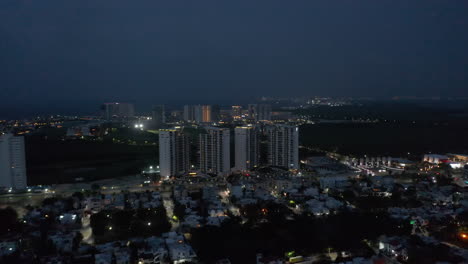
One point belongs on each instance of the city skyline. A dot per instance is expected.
(228, 132)
(162, 53)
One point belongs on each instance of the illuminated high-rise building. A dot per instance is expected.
(246, 148)
(205, 113)
(174, 158)
(12, 162)
(197, 113)
(236, 112)
(283, 146)
(215, 151)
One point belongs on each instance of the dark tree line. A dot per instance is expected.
(122, 224)
(305, 235)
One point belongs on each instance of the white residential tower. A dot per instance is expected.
(12, 162)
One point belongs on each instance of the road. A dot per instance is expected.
(18, 201)
(169, 206)
(86, 230)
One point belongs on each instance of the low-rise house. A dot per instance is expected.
(192, 221)
(181, 252)
(393, 247)
(63, 242)
(311, 192)
(8, 247)
(103, 258)
(93, 204)
(67, 219)
(334, 182)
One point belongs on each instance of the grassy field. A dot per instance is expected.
(56, 161)
(396, 139)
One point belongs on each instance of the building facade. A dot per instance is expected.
(174, 156)
(215, 151)
(215, 113)
(117, 111)
(283, 146)
(12, 162)
(246, 148)
(197, 113)
(158, 116)
(236, 112)
(205, 112)
(259, 112)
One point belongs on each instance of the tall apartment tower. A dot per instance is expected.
(215, 151)
(159, 116)
(283, 146)
(118, 111)
(259, 112)
(252, 111)
(189, 113)
(236, 112)
(246, 148)
(205, 113)
(12, 162)
(174, 158)
(215, 113)
(197, 113)
(263, 112)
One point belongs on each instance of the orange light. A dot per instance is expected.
(464, 236)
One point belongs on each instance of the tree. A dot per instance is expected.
(251, 212)
(9, 221)
(78, 195)
(99, 223)
(121, 219)
(49, 201)
(77, 240)
(179, 211)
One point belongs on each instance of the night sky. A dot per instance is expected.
(74, 55)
